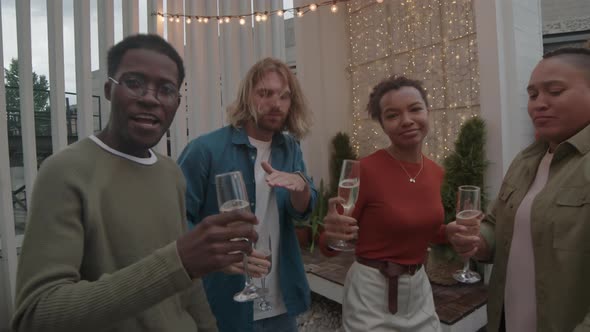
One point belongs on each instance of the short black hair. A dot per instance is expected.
(388, 84)
(576, 56)
(151, 42)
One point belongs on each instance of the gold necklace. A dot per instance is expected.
(412, 179)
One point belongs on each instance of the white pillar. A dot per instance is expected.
(57, 97)
(8, 263)
(27, 116)
(212, 69)
(230, 52)
(322, 56)
(262, 32)
(509, 43)
(156, 26)
(278, 31)
(106, 39)
(246, 40)
(83, 70)
(130, 17)
(155, 22)
(178, 135)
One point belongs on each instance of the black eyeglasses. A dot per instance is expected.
(166, 93)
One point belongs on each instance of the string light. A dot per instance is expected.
(430, 40)
(299, 11)
(242, 21)
(188, 20)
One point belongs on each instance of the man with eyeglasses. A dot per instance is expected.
(106, 246)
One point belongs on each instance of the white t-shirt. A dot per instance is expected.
(267, 213)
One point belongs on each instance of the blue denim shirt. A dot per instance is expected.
(225, 150)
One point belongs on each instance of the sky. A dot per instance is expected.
(39, 34)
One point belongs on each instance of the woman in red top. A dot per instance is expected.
(399, 213)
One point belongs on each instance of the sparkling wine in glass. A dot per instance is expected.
(468, 208)
(348, 190)
(231, 196)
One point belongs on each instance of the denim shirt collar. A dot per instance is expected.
(240, 137)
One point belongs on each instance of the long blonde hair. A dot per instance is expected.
(241, 110)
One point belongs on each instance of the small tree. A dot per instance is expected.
(40, 87)
(341, 149)
(465, 166)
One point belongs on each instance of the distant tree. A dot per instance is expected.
(40, 87)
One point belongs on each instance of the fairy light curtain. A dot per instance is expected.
(430, 40)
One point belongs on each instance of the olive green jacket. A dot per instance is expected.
(560, 226)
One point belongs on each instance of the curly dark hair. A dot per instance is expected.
(388, 84)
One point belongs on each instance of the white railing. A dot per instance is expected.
(216, 57)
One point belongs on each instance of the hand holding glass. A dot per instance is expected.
(348, 190)
(232, 195)
(468, 209)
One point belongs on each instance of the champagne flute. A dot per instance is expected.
(348, 190)
(266, 250)
(468, 208)
(232, 195)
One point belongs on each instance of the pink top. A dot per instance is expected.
(520, 299)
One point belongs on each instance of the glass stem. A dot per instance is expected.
(248, 278)
(466, 266)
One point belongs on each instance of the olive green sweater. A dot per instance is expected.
(99, 252)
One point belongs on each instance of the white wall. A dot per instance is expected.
(322, 57)
(510, 45)
(564, 10)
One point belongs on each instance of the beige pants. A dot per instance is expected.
(365, 306)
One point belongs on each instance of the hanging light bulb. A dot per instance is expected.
(171, 19)
(205, 19)
(163, 19)
(188, 20)
(227, 19)
(242, 21)
(379, 1)
(334, 8)
(177, 19)
(264, 17)
(313, 7)
(300, 13)
(200, 19)
(280, 12)
(257, 18)
(220, 20)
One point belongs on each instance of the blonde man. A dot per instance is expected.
(267, 119)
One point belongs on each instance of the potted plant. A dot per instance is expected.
(308, 231)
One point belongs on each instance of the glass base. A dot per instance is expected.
(249, 293)
(342, 245)
(466, 277)
(264, 305)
